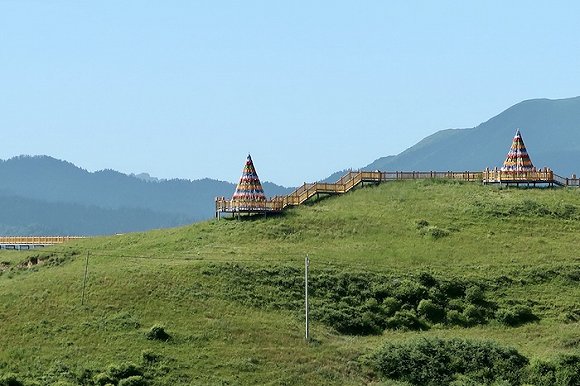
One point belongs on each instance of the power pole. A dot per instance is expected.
(306, 265)
(85, 279)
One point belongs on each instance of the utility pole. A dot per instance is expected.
(85, 279)
(306, 265)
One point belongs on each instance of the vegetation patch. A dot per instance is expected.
(368, 303)
(440, 362)
(529, 208)
(436, 362)
(157, 332)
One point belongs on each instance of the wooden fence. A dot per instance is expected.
(353, 179)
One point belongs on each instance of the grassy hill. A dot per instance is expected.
(389, 264)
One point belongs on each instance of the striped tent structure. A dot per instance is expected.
(518, 159)
(249, 188)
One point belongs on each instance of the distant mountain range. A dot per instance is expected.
(550, 129)
(41, 195)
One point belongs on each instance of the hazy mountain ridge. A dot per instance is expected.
(550, 129)
(104, 196)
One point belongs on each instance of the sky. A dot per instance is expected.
(186, 89)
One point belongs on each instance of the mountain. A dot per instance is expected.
(550, 129)
(111, 198)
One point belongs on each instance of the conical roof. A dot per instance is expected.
(517, 158)
(249, 188)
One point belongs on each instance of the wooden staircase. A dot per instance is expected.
(354, 179)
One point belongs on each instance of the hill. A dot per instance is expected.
(549, 128)
(115, 201)
(491, 272)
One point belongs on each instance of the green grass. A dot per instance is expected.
(521, 244)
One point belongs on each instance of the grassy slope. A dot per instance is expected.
(140, 279)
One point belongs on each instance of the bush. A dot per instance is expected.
(10, 380)
(150, 357)
(475, 295)
(453, 288)
(568, 370)
(390, 306)
(474, 315)
(124, 370)
(410, 292)
(351, 320)
(434, 361)
(405, 320)
(432, 312)
(135, 380)
(157, 332)
(541, 374)
(456, 318)
(515, 316)
(103, 379)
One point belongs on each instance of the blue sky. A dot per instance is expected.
(185, 89)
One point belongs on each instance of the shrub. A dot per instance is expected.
(135, 380)
(426, 279)
(10, 380)
(453, 288)
(390, 306)
(410, 292)
(103, 379)
(422, 224)
(456, 318)
(350, 320)
(515, 316)
(157, 332)
(474, 294)
(430, 311)
(541, 374)
(150, 356)
(437, 233)
(474, 315)
(405, 320)
(568, 370)
(124, 370)
(433, 361)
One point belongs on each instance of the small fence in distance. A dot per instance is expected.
(32, 242)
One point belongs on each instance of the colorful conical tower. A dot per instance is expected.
(249, 188)
(517, 159)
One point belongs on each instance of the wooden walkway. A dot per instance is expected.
(354, 179)
(22, 242)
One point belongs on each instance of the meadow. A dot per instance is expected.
(393, 264)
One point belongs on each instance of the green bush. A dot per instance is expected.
(410, 292)
(456, 318)
(475, 315)
(390, 306)
(568, 370)
(541, 374)
(405, 320)
(432, 312)
(360, 303)
(10, 379)
(474, 294)
(564, 371)
(157, 332)
(433, 361)
(102, 379)
(135, 380)
(515, 316)
(150, 356)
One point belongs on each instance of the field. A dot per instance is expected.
(388, 264)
